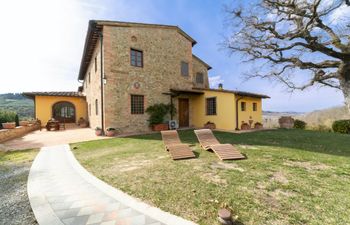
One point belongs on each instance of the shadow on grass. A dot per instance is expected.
(312, 141)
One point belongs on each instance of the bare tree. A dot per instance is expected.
(300, 43)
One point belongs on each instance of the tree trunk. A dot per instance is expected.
(344, 72)
(346, 92)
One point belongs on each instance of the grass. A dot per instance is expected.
(10, 159)
(290, 176)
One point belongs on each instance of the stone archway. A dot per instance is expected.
(64, 112)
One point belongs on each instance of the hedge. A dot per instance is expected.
(299, 124)
(341, 126)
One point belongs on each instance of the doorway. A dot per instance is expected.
(184, 114)
(64, 112)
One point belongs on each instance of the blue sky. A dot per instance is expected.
(47, 56)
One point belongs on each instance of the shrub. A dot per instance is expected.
(341, 126)
(157, 112)
(7, 116)
(322, 128)
(299, 124)
(17, 120)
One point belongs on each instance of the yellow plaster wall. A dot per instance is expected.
(225, 117)
(43, 107)
(249, 114)
(225, 110)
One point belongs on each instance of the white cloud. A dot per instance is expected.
(42, 43)
(214, 81)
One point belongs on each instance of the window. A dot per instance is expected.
(137, 104)
(211, 106)
(255, 106)
(199, 78)
(136, 58)
(184, 68)
(96, 106)
(89, 77)
(95, 63)
(243, 106)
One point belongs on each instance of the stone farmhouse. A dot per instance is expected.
(127, 67)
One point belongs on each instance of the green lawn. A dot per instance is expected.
(290, 176)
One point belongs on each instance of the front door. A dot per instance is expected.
(184, 114)
(64, 112)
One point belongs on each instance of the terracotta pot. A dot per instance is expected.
(24, 123)
(258, 126)
(11, 125)
(210, 126)
(245, 126)
(110, 133)
(160, 127)
(98, 132)
(83, 125)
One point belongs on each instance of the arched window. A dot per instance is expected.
(64, 112)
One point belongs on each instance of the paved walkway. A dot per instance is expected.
(38, 139)
(61, 192)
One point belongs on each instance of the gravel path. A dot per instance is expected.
(14, 203)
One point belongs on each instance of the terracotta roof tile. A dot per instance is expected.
(54, 93)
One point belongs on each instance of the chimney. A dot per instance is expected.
(221, 86)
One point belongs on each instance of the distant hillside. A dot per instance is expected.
(313, 119)
(325, 117)
(270, 118)
(23, 106)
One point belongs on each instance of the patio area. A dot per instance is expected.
(38, 139)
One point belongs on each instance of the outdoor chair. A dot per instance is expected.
(173, 144)
(208, 141)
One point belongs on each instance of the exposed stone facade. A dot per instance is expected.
(92, 89)
(163, 51)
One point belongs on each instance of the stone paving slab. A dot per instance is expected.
(62, 192)
(43, 138)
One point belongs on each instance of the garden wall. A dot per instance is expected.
(7, 134)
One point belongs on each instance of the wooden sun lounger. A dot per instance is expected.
(208, 141)
(173, 144)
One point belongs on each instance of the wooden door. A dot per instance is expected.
(184, 114)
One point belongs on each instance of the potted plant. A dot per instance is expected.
(210, 125)
(6, 119)
(157, 112)
(24, 123)
(245, 126)
(110, 131)
(258, 125)
(82, 122)
(98, 131)
(9, 125)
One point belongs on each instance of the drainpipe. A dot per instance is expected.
(237, 100)
(102, 83)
